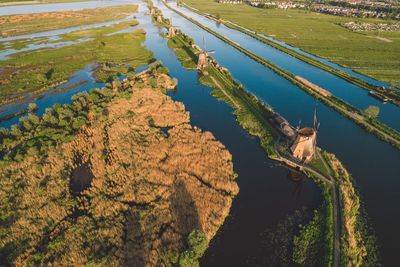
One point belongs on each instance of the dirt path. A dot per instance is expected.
(334, 192)
(225, 93)
(386, 40)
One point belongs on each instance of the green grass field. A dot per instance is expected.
(36, 71)
(23, 24)
(376, 54)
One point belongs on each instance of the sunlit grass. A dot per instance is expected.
(319, 34)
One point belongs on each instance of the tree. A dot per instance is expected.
(49, 74)
(197, 243)
(372, 112)
(32, 107)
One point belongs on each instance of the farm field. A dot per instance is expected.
(376, 54)
(29, 23)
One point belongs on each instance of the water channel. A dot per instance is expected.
(266, 195)
(350, 93)
(322, 60)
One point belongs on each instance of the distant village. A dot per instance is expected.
(348, 8)
(366, 26)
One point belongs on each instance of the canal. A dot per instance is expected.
(374, 164)
(350, 93)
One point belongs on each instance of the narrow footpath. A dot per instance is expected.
(334, 192)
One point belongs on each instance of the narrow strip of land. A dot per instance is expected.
(393, 96)
(380, 130)
(243, 103)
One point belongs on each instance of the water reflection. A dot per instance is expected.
(297, 179)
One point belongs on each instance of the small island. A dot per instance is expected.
(136, 184)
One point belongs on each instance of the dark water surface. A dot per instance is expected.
(375, 165)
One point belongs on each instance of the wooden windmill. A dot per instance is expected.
(203, 55)
(305, 145)
(171, 29)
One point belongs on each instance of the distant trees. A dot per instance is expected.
(32, 107)
(198, 244)
(58, 124)
(372, 112)
(49, 74)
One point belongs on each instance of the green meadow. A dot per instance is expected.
(376, 54)
(37, 71)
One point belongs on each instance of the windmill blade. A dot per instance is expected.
(210, 52)
(299, 125)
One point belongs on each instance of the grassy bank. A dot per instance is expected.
(251, 113)
(180, 45)
(354, 251)
(37, 71)
(373, 126)
(375, 54)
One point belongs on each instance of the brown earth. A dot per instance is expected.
(151, 178)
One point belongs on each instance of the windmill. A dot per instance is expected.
(159, 18)
(203, 62)
(304, 146)
(316, 127)
(171, 29)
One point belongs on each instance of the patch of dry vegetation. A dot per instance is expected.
(136, 180)
(353, 249)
